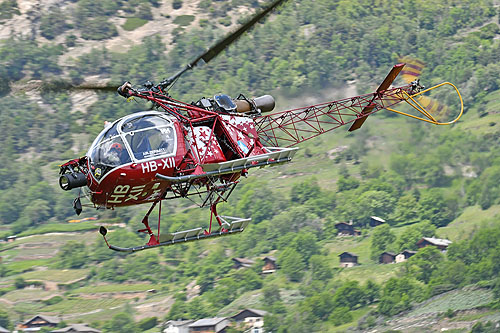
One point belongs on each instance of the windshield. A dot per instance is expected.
(107, 155)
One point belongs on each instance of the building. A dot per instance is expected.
(270, 265)
(40, 321)
(346, 229)
(209, 325)
(387, 258)
(348, 259)
(376, 221)
(177, 326)
(441, 244)
(76, 328)
(242, 263)
(249, 320)
(403, 256)
(4, 330)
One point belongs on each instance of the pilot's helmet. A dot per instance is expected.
(116, 147)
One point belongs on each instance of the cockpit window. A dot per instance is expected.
(149, 137)
(111, 131)
(130, 139)
(107, 155)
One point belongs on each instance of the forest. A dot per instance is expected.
(418, 185)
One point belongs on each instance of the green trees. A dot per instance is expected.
(72, 255)
(408, 240)
(425, 262)
(398, 294)
(292, 264)
(92, 26)
(4, 320)
(8, 8)
(53, 23)
(382, 240)
(121, 322)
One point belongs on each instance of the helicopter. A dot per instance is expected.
(203, 149)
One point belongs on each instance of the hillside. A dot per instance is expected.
(424, 180)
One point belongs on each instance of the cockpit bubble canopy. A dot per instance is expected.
(134, 138)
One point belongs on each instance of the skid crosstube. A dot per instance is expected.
(231, 225)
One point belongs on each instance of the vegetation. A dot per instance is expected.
(184, 20)
(418, 177)
(133, 23)
(8, 8)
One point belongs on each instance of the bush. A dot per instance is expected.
(340, 316)
(19, 283)
(133, 23)
(53, 24)
(225, 21)
(147, 323)
(184, 20)
(70, 40)
(98, 28)
(53, 300)
(177, 4)
(8, 8)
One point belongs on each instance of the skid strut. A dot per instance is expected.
(228, 225)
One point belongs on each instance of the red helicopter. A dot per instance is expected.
(203, 149)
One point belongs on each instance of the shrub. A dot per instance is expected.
(177, 4)
(147, 323)
(53, 300)
(133, 23)
(98, 28)
(8, 8)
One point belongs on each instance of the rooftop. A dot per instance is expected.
(437, 241)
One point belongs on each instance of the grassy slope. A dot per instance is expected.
(103, 301)
(98, 304)
(471, 219)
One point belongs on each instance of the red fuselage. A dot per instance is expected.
(124, 160)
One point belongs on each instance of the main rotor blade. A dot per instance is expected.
(222, 44)
(61, 85)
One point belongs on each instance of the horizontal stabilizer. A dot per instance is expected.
(389, 79)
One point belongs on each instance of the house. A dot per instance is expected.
(376, 221)
(11, 239)
(347, 229)
(270, 265)
(209, 325)
(76, 328)
(40, 321)
(242, 263)
(250, 320)
(4, 330)
(177, 326)
(403, 256)
(348, 259)
(441, 244)
(387, 258)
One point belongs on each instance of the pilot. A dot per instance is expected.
(115, 155)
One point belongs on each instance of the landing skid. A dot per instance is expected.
(229, 225)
